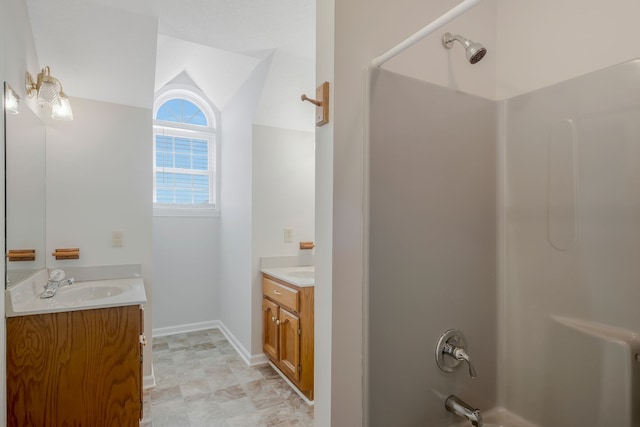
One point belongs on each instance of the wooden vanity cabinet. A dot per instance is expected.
(75, 368)
(287, 318)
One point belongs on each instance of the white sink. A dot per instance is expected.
(77, 294)
(24, 298)
(299, 276)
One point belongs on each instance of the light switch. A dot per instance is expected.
(288, 235)
(116, 239)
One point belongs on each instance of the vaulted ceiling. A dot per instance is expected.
(121, 51)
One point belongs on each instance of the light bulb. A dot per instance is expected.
(11, 102)
(62, 110)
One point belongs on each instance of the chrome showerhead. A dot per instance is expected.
(475, 51)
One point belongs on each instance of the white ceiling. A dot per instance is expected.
(206, 66)
(106, 49)
(241, 26)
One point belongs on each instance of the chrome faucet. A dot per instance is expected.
(460, 407)
(56, 281)
(451, 350)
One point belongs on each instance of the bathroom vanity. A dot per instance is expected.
(287, 318)
(75, 358)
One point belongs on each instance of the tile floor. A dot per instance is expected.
(201, 381)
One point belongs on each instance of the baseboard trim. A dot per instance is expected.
(249, 359)
(187, 327)
(259, 360)
(298, 392)
(149, 381)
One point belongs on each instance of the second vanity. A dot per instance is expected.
(287, 319)
(76, 358)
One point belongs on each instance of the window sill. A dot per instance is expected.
(186, 211)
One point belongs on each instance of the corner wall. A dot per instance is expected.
(283, 196)
(531, 57)
(236, 273)
(571, 242)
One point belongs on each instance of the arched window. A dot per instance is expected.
(185, 178)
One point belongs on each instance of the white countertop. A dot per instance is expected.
(302, 276)
(24, 298)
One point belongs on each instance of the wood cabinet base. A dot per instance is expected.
(78, 368)
(287, 334)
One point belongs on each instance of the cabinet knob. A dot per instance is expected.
(278, 322)
(273, 318)
(276, 292)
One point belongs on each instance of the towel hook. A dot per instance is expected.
(313, 101)
(321, 103)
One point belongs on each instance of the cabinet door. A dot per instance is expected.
(289, 344)
(270, 328)
(76, 368)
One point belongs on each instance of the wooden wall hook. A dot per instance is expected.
(304, 97)
(321, 102)
(21, 255)
(307, 245)
(67, 253)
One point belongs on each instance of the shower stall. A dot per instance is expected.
(517, 223)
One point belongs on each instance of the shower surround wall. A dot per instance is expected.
(432, 262)
(572, 239)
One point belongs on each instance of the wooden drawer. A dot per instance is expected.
(282, 294)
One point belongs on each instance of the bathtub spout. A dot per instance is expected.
(459, 407)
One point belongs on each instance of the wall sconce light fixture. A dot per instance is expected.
(48, 89)
(11, 101)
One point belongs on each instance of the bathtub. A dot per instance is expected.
(592, 374)
(499, 417)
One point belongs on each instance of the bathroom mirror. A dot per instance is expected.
(25, 159)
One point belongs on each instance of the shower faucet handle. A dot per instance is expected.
(451, 350)
(460, 354)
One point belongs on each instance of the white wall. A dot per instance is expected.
(325, 26)
(545, 42)
(99, 181)
(280, 105)
(236, 204)
(186, 272)
(87, 45)
(283, 196)
(283, 189)
(428, 60)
